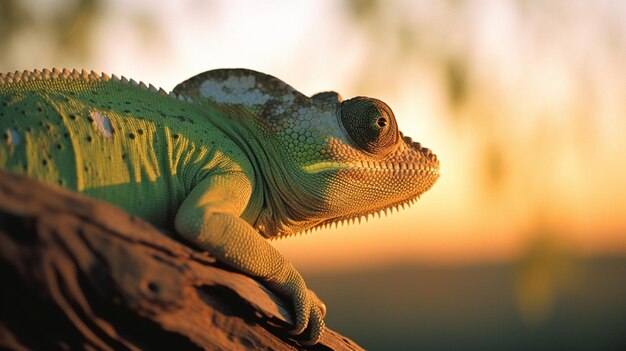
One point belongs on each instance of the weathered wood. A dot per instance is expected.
(77, 273)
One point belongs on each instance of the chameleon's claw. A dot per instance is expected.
(299, 329)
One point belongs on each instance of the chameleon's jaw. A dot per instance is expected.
(371, 187)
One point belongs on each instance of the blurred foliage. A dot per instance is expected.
(13, 18)
(70, 29)
(397, 39)
(362, 9)
(501, 65)
(545, 271)
(494, 164)
(65, 31)
(456, 81)
(75, 28)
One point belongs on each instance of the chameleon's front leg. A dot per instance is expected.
(209, 217)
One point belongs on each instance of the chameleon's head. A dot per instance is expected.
(322, 159)
(364, 162)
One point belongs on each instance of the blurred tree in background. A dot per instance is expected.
(64, 31)
(68, 27)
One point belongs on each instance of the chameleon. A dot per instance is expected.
(229, 159)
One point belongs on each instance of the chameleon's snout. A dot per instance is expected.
(424, 151)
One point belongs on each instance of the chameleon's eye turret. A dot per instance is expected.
(370, 124)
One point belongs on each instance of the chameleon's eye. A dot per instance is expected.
(370, 124)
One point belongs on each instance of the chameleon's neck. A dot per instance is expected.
(278, 203)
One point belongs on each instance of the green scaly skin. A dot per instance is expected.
(230, 158)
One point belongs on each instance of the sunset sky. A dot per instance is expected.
(523, 102)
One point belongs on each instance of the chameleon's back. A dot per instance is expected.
(102, 137)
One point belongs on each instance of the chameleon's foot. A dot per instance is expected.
(309, 319)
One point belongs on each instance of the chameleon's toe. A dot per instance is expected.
(310, 312)
(319, 303)
(316, 327)
(302, 309)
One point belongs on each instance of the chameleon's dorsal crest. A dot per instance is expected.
(242, 87)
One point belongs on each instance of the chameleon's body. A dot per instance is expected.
(229, 155)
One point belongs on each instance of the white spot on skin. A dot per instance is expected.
(13, 138)
(102, 124)
(235, 90)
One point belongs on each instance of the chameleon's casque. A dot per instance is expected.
(228, 155)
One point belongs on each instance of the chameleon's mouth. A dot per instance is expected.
(415, 160)
(373, 166)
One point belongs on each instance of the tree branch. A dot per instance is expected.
(78, 273)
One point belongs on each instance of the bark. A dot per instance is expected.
(77, 273)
